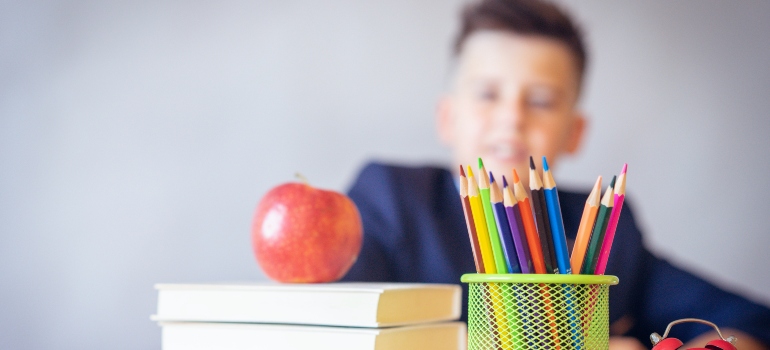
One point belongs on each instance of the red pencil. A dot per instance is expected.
(530, 229)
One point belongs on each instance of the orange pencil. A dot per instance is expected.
(535, 249)
(586, 225)
(474, 238)
(477, 212)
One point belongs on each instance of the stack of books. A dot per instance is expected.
(337, 316)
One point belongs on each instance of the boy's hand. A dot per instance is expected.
(626, 343)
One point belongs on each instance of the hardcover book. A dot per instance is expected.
(329, 304)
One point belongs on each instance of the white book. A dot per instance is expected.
(251, 336)
(329, 304)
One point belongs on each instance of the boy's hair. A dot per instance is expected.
(524, 17)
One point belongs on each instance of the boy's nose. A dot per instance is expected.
(510, 115)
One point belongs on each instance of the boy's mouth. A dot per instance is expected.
(506, 153)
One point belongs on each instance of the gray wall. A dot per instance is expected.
(137, 137)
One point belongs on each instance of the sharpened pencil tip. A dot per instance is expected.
(515, 176)
(612, 183)
(481, 164)
(545, 164)
(462, 172)
(470, 172)
(505, 182)
(491, 177)
(531, 163)
(596, 193)
(625, 167)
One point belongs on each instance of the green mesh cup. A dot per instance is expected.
(538, 311)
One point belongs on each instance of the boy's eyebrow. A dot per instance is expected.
(492, 79)
(482, 80)
(556, 90)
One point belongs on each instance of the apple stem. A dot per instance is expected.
(302, 178)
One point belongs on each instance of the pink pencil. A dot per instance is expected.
(612, 225)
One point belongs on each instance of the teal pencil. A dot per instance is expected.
(612, 224)
(597, 235)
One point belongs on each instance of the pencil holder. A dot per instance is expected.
(538, 311)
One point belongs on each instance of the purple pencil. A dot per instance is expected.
(517, 228)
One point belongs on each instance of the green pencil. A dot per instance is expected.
(489, 214)
(597, 235)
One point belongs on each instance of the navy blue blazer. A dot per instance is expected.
(414, 231)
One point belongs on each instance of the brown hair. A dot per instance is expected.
(525, 17)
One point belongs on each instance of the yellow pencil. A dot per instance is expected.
(477, 211)
(487, 256)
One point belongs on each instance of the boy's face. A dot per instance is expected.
(513, 96)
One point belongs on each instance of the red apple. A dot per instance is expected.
(302, 234)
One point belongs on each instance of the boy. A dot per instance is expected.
(515, 91)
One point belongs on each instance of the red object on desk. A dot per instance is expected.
(663, 343)
(302, 234)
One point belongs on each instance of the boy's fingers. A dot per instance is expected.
(626, 343)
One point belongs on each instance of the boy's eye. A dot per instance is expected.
(487, 94)
(541, 99)
(541, 102)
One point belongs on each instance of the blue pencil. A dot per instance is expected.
(503, 227)
(557, 224)
(560, 248)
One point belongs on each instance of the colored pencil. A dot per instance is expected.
(559, 238)
(541, 217)
(536, 251)
(472, 235)
(494, 237)
(517, 228)
(528, 221)
(512, 260)
(557, 224)
(477, 212)
(600, 228)
(592, 255)
(612, 225)
(586, 224)
(497, 260)
(522, 242)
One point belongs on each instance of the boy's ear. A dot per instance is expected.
(445, 120)
(576, 133)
